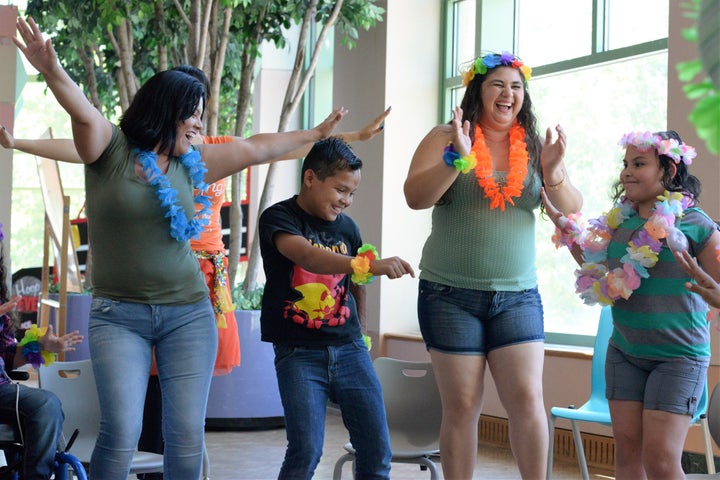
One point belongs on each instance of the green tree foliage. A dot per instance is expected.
(110, 47)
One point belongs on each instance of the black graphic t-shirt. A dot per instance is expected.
(301, 308)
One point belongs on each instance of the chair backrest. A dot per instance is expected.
(713, 414)
(604, 330)
(412, 404)
(74, 384)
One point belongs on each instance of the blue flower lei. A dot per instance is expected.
(180, 228)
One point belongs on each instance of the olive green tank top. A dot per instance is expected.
(134, 257)
(473, 247)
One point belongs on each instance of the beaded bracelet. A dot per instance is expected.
(570, 233)
(453, 159)
(32, 349)
(361, 264)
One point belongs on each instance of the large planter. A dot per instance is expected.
(77, 317)
(248, 397)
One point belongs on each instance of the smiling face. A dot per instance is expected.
(502, 93)
(188, 132)
(326, 199)
(642, 177)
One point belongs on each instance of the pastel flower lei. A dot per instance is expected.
(645, 141)
(518, 167)
(180, 229)
(361, 264)
(481, 65)
(594, 283)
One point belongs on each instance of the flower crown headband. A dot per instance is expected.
(482, 64)
(644, 141)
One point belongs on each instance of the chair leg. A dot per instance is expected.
(337, 471)
(580, 451)
(709, 458)
(551, 446)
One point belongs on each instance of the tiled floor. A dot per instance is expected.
(257, 455)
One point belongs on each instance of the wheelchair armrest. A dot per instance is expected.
(18, 375)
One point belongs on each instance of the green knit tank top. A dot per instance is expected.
(473, 247)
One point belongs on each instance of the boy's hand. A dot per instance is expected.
(706, 287)
(393, 267)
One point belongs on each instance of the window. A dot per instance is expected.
(600, 75)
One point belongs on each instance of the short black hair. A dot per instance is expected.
(329, 156)
(169, 97)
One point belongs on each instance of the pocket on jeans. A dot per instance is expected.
(101, 305)
(428, 288)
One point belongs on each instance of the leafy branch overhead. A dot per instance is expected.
(705, 115)
(110, 47)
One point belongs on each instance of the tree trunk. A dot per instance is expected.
(293, 94)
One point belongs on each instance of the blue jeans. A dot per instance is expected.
(308, 378)
(41, 418)
(122, 336)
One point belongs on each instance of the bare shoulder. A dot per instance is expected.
(440, 134)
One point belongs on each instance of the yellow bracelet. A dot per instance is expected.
(559, 185)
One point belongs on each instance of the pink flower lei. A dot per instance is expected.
(645, 141)
(594, 283)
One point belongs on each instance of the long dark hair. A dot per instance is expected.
(472, 107)
(169, 97)
(682, 181)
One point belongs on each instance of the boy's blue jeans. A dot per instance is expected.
(41, 417)
(122, 335)
(308, 378)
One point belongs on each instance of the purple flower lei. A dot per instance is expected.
(180, 228)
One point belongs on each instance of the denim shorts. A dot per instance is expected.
(475, 322)
(674, 385)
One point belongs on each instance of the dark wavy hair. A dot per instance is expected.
(4, 293)
(197, 73)
(329, 156)
(473, 107)
(168, 98)
(682, 181)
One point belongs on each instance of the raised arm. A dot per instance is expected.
(429, 177)
(558, 187)
(223, 160)
(91, 131)
(60, 149)
(366, 133)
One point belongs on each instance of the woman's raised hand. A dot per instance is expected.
(326, 128)
(10, 305)
(461, 133)
(553, 151)
(38, 51)
(6, 139)
(374, 127)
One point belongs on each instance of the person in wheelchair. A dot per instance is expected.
(38, 412)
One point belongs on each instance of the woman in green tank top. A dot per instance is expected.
(478, 303)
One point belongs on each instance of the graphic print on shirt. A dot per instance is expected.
(321, 300)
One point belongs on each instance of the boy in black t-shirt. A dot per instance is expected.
(313, 313)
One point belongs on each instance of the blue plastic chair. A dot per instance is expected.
(596, 409)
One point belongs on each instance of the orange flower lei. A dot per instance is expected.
(518, 157)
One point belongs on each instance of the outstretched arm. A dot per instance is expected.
(563, 224)
(91, 131)
(222, 160)
(366, 133)
(60, 149)
(316, 260)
